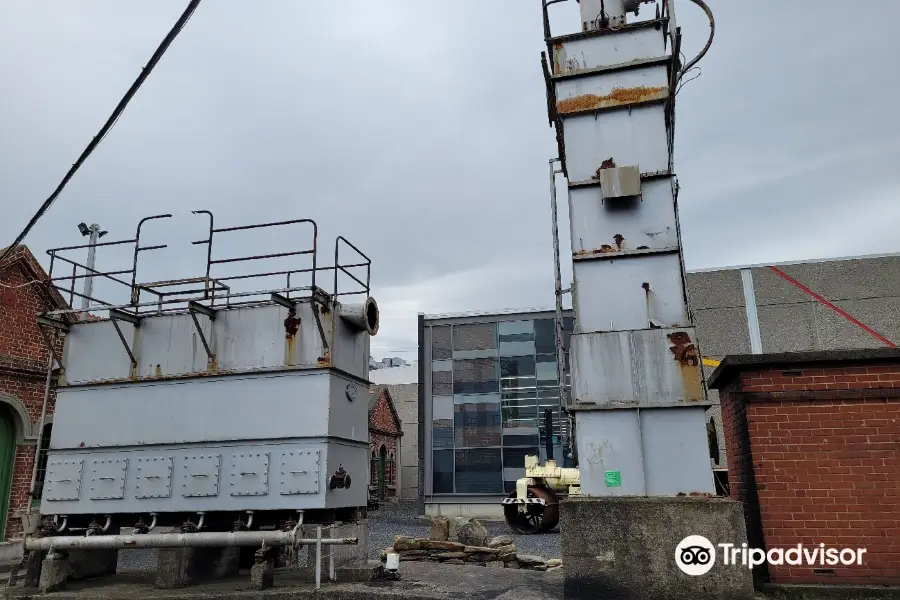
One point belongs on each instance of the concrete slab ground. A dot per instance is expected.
(425, 581)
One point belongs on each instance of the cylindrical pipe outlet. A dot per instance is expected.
(362, 317)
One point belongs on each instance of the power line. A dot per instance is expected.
(110, 123)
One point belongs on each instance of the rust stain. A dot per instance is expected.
(158, 371)
(212, 365)
(607, 248)
(617, 97)
(291, 324)
(688, 358)
(684, 349)
(609, 163)
(619, 238)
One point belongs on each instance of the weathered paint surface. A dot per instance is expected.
(582, 54)
(635, 367)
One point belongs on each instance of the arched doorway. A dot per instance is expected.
(7, 458)
(382, 462)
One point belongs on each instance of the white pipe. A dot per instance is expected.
(65, 523)
(177, 540)
(152, 525)
(331, 576)
(318, 556)
(200, 522)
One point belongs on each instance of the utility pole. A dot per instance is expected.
(94, 234)
(637, 397)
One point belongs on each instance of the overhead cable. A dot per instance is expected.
(120, 108)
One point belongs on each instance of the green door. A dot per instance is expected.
(7, 457)
(382, 459)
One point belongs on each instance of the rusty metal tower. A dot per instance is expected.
(637, 400)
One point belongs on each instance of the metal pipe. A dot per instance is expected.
(750, 306)
(91, 257)
(200, 522)
(105, 527)
(318, 556)
(331, 576)
(65, 523)
(179, 540)
(40, 436)
(557, 278)
(249, 519)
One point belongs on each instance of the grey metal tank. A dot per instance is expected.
(196, 402)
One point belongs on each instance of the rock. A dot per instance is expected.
(500, 540)
(446, 546)
(554, 562)
(455, 561)
(449, 555)
(454, 524)
(414, 556)
(440, 529)
(480, 550)
(529, 560)
(473, 533)
(495, 564)
(405, 543)
(556, 568)
(480, 558)
(539, 568)
(511, 565)
(507, 556)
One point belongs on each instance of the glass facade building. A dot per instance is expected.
(488, 380)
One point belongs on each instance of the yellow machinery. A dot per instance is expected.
(534, 506)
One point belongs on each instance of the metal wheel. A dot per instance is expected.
(530, 519)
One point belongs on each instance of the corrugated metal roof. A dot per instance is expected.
(794, 262)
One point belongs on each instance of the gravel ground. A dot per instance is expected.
(386, 522)
(404, 519)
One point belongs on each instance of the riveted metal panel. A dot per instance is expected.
(299, 472)
(635, 137)
(581, 54)
(63, 480)
(636, 368)
(200, 475)
(153, 477)
(249, 474)
(108, 478)
(610, 294)
(613, 226)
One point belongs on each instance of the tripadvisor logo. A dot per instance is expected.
(696, 555)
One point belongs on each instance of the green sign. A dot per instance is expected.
(613, 479)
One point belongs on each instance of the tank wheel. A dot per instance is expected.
(530, 519)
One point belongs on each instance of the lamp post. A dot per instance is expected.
(94, 234)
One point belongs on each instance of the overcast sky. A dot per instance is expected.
(418, 130)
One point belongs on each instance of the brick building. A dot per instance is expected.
(23, 371)
(385, 431)
(814, 446)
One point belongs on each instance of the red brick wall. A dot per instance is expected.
(821, 445)
(23, 362)
(383, 431)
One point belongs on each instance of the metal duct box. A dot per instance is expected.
(643, 452)
(641, 224)
(642, 368)
(620, 182)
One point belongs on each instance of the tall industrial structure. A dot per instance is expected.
(637, 393)
(236, 416)
(637, 398)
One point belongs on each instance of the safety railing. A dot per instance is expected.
(211, 288)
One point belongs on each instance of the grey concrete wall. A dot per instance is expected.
(789, 319)
(406, 402)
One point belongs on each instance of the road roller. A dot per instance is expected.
(534, 506)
